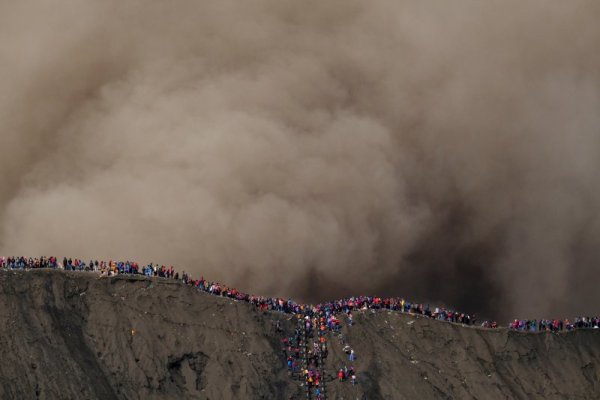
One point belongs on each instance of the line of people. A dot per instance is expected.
(107, 268)
(305, 357)
(554, 325)
(316, 353)
(326, 309)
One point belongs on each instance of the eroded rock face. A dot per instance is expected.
(72, 335)
(418, 358)
(75, 336)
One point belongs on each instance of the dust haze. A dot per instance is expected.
(442, 151)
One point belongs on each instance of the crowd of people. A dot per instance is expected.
(554, 325)
(347, 374)
(108, 268)
(305, 352)
(328, 310)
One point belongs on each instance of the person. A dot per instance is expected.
(352, 356)
(353, 379)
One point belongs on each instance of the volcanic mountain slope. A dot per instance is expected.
(77, 336)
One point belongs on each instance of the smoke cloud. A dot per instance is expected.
(446, 152)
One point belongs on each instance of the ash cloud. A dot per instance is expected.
(444, 152)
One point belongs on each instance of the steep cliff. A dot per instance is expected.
(77, 336)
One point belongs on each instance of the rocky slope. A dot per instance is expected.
(77, 336)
